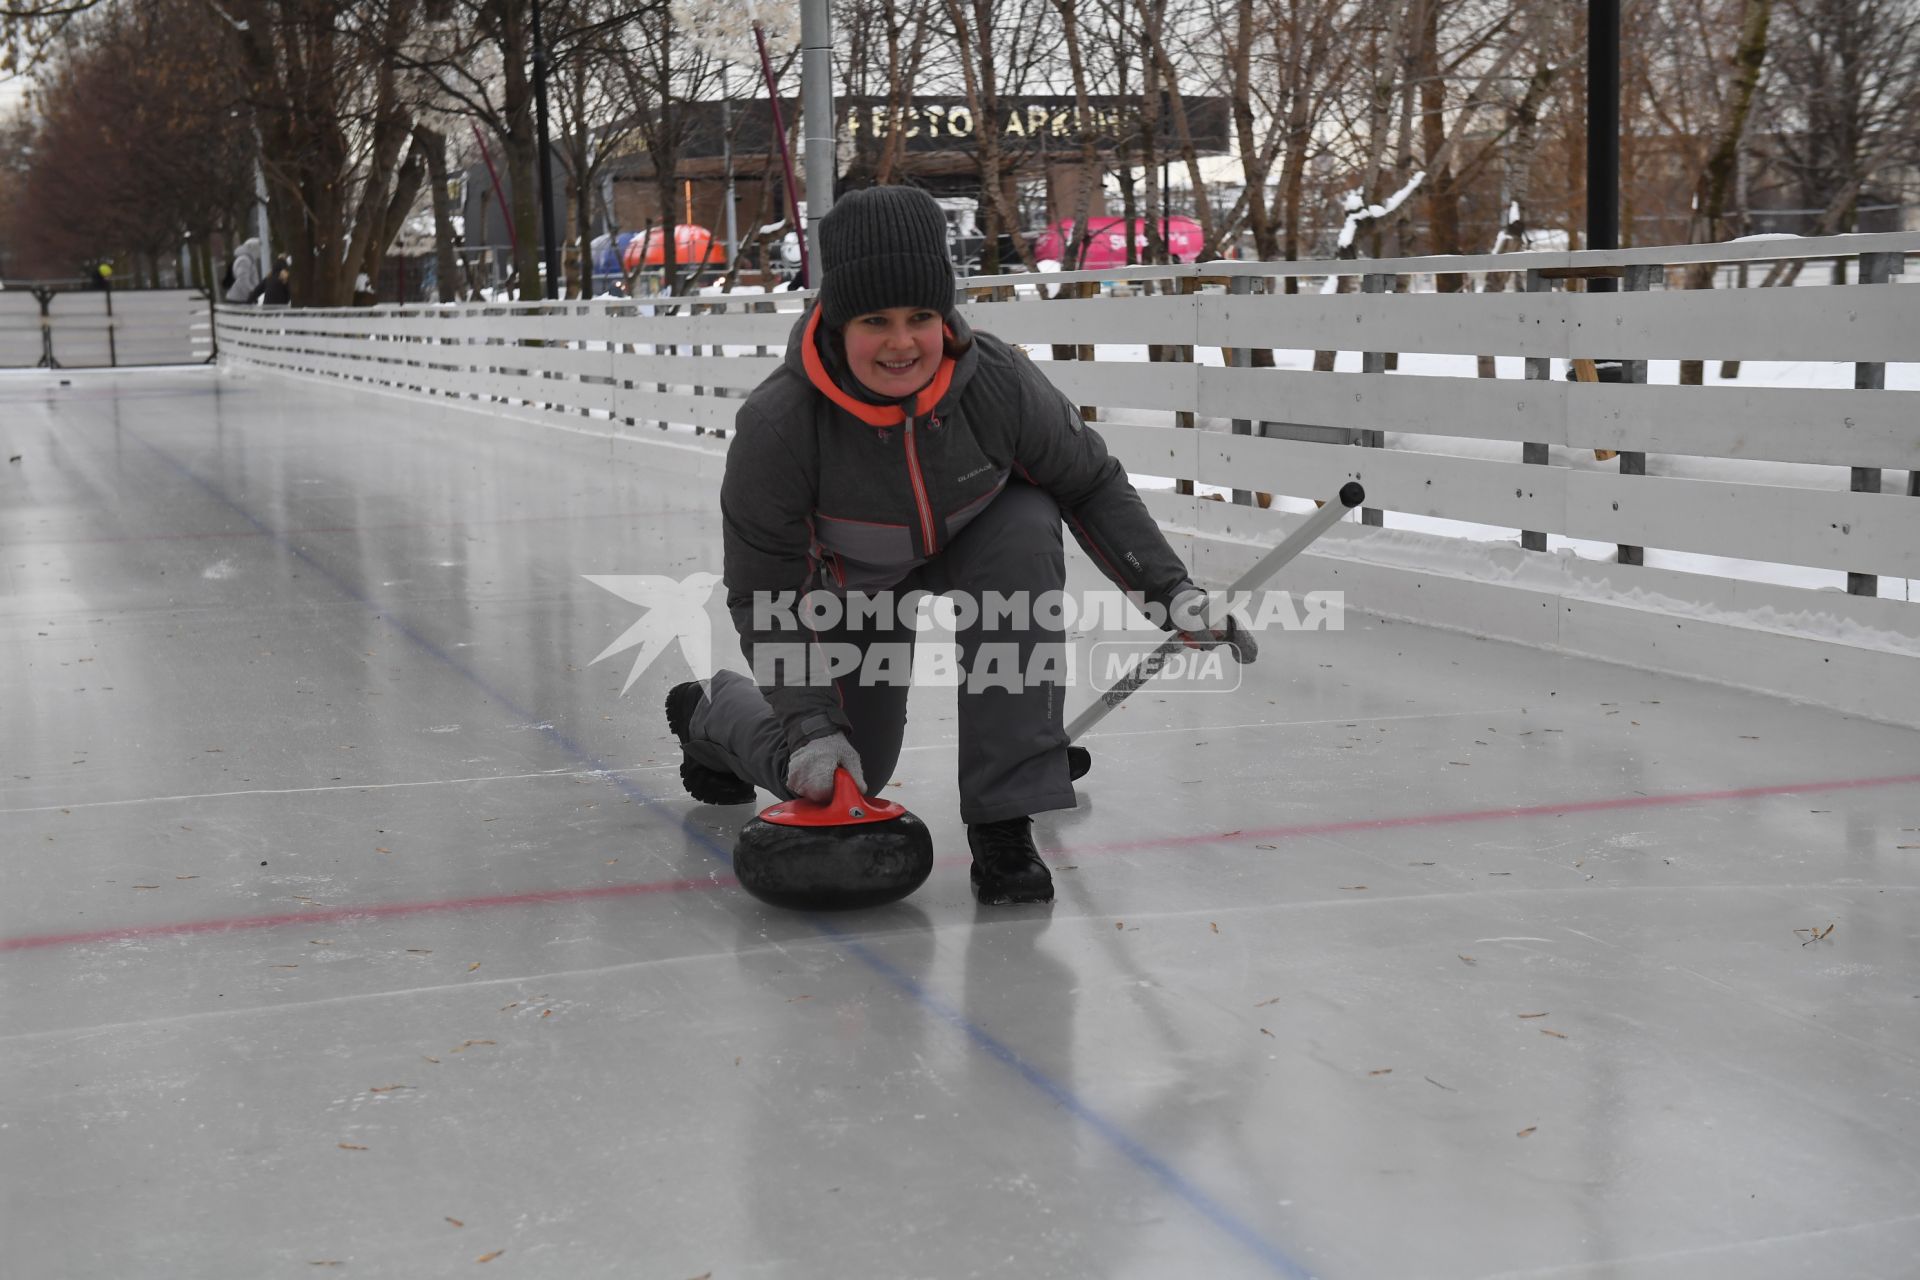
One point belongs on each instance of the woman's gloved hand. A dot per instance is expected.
(810, 769)
(1189, 614)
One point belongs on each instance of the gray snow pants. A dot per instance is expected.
(1013, 741)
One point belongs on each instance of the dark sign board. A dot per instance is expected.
(1032, 123)
(1027, 125)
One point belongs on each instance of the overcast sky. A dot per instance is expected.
(11, 88)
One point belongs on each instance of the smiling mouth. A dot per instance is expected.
(897, 366)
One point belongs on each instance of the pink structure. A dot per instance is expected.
(1107, 246)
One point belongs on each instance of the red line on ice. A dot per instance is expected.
(327, 915)
(330, 915)
(1492, 815)
(330, 529)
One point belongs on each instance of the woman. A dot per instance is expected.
(245, 272)
(277, 289)
(898, 451)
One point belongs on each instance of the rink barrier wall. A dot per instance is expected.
(1514, 453)
(68, 325)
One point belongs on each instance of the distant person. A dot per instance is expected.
(103, 276)
(363, 294)
(277, 289)
(243, 277)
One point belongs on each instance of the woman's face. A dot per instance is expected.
(895, 352)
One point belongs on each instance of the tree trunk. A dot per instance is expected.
(433, 146)
(1176, 111)
(584, 170)
(983, 101)
(1716, 179)
(1293, 179)
(1443, 199)
(392, 125)
(519, 142)
(1151, 115)
(1254, 158)
(1074, 251)
(406, 189)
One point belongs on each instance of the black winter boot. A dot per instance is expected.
(708, 786)
(1006, 867)
(1079, 760)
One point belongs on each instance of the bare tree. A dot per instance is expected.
(584, 62)
(1185, 54)
(1700, 86)
(136, 148)
(886, 44)
(476, 60)
(431, 145)
(1076, 246)
(662, 71)
(995, 48)
(1312, 61)
(1847, 107)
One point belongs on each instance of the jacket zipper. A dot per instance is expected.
(919, 490)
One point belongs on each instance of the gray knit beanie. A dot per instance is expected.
(883, 247)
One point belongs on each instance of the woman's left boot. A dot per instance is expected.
(707, 785)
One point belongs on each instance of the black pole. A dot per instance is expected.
(44, 296)
(1603, 128)
(549, 234)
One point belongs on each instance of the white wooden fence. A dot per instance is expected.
(1814, 489)
(63, 325)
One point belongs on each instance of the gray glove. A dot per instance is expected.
(1190, 616)
(810, 769)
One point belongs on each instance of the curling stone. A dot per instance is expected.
(847, 853)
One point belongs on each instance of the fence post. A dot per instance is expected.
(44, 296)
(1179, 353)
(1373, 362)
(1084, 352)
(1639, 278)
(699, 389)
(671, 349)
(1871, 375)
(1242, 358)
(1539, 369)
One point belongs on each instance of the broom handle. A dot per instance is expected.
(1143, 670)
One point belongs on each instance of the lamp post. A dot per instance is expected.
(726, 145)
(1603, 129)
(816, 87)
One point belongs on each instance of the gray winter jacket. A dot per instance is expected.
(825, 490)
(246, 273)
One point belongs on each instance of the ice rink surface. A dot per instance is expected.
(352, 923)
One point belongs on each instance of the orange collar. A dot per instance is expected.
(874, 415)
